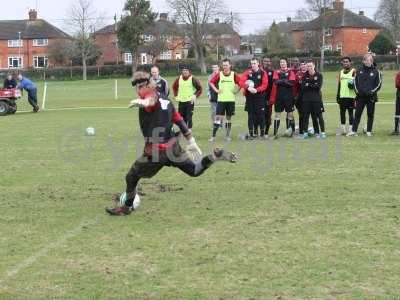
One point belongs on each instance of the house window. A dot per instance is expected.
(364, 30)
(339, 48)
(15, 62)
(143, 58)
(40, 62)
(15, 43)
(166, 55)
(328, 47)
(40, 42)
(328, 32)
(128, 58)
(178, 56)
(147, 37)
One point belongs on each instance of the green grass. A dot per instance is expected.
(291, 220)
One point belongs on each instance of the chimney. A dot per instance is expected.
(32, 15)
(164, 16)
(289, 20)
(338, 5)
(216, 21)
(361, 13)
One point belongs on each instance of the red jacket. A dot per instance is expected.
(398, 81)
(264, 83)
(292, 77)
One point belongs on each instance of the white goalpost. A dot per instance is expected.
(44, 96)
(116, 90)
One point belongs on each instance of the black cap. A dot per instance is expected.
(184, 67)
(139, 81)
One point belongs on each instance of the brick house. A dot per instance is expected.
(345, 31)
(25, 43)
(177, 44)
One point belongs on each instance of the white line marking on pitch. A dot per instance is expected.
(12, 272)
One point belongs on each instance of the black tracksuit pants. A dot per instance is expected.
(148, 165)
(313, 109)
(360, 105)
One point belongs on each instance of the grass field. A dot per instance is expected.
(291, 220)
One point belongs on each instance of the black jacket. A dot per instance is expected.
(311, 87)
(10, 84)
(367, 83)
(162, 87)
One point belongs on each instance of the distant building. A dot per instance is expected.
(25, 43)
(252, 44)
(177, 44)
(345, 31)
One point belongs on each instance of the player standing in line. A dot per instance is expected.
(311, 85)
(282, 95)
(298, 99)
(156, 118)
(228, 83)
(267, 67)
(161, 83)
(367, 83)
(397, 114)
(213, 95)
(255, 83)
(346, 95)
(187, 89)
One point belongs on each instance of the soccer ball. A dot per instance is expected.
(250, 83)
(136, 201)
(311, 130)
(90, 131)
(288, 132)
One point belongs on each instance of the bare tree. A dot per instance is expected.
(313, 9)
(156, 47)
(83, 21)
(195, 15)
(388, 14)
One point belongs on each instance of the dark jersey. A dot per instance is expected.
(284, 82)
(162, 87)
(156, 123)
(10, 84)
(311, 87)
(367, 83)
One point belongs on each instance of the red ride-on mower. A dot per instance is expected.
(8, 98)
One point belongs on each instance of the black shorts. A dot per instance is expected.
(286, 105)
(347, 103)
(255, 106)
(226, 109)
(316, 107)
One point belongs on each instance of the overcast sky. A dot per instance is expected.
(260, 14)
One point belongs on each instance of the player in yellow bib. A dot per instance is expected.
(228, 83)
(186, 89)
(346, 95)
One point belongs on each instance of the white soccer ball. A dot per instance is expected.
(250, 83)
(136, 201)
(310, 130)
(90, 131)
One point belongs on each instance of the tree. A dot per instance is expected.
(382, 44)
(195, 15)
(156, 47)
(138, 17)
(275, 41)
(60, 51)
(313, 9)
(83, 21)
(388, 14)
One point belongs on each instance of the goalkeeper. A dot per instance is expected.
(157, 117)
